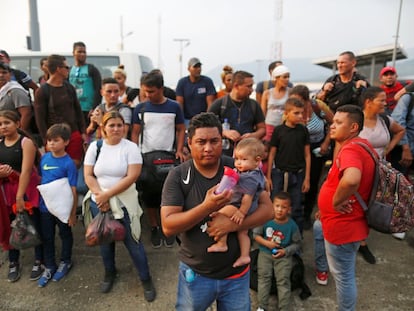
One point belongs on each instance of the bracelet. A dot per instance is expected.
(19, 199)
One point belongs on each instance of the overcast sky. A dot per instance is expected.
(221, 31)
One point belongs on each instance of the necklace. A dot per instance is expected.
(238, 109)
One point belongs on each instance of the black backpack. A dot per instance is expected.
(297, 277)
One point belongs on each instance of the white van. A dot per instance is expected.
(106, 62)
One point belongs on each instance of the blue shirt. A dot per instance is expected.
(52, 168)
(195, 94)
(279, 233)
(400, 116)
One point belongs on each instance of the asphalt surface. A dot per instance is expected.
(387, 285)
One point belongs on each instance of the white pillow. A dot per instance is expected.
(58, 198)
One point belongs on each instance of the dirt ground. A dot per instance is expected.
(387, 285)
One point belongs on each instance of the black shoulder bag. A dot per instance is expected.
(156, 164)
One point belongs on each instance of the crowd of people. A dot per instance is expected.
(95, 132)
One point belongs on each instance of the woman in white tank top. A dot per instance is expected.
(273, 100)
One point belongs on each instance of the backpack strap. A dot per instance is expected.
(223, 106)
(376, 177)
(142, 111)
(410, 107)
(99, 144)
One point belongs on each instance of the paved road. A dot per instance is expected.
(388, 285)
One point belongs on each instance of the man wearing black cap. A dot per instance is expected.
(17, 75)
(195, 93)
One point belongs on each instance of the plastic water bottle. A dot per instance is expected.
(317, 152)
(228, 181)
(225, 142)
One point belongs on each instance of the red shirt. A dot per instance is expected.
(390, 91)
(346, 228)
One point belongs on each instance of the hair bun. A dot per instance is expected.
(227, 69)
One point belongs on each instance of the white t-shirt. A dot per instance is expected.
(113, 161)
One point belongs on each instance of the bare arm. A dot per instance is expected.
(397, 134)
(240, 213)
(134, 170)
(26, 116)
(263, 101)
(180, 100)
(126, 129)
(72, 217)
(29, 154)
(175, 220)
(270, 159)
(306, 182)
(180, 136)
(136, 130)
(259, 133)
(33, 86)
(210, 99)
(221, 225)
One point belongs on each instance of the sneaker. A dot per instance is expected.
(108, 281)
(37, 271)
(399, 235)
(63, 269)
(322, 278)
(366, 254)
(14, 272)
(168, 241)
(149, 290)
(156, 240)
(45, 278)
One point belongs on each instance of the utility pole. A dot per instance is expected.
(123, 36)
(276, 49)
(33, 42)
(159, 42)
(183, 43)
(394, 52)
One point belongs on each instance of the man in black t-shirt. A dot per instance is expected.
(346, 86)
(243, 113)
(188, 200)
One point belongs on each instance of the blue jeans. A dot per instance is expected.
(136, 249)
(341, 260)
(295, 181)
(200, 293)
(319, 247)
(14, 254)
(48, 224)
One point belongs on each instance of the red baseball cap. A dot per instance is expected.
(387, 69)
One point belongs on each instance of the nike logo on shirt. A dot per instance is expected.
(47, 167)
(187, 180)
